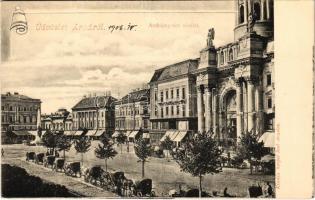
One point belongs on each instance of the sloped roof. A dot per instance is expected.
(17, 97)
(92, 102)
(175, 70)
(140, 95)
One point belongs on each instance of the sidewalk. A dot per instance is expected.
(76, 185)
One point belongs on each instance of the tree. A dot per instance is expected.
(142, 151)
(249, 148)
(82, 146)
(200, 156)
(121, 139)
(105, 150)
(63, 144)
(167, 144)
(50, 140)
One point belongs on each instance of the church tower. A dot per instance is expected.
(260, 10)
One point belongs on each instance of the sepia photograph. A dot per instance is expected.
(138, 99)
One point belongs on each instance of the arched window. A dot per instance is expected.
(222, 58)
(241, 14)
(257, 10)
(231, 54)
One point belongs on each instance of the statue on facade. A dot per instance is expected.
(251, 22)
(210, 37)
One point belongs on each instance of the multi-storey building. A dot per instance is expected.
(132, 113)
(173, 99)
(56, 121)
(20, 115)
(234, 82)
(95, 114)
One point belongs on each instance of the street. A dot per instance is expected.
(166, 175)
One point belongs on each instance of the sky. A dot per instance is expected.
(64, 55)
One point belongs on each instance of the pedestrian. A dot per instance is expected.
(2, 152)
(269, 190)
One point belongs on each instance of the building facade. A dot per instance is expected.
(233, 84)
(20, 115)
(19, 112)
(94, 114)
(173, 99)
(56, 121)
(132, 111)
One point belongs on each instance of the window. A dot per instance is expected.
(155, 111)
(2, 107)
(269, 102)
(162, 96)
(162, 112)
(11, 108)
(177, 110)
(172, 110)
(155, 96)
(241, 14)
(177, 93)
(172, 94)
(166, 95)
(257, 11)
(166, 112)
(231, 54)
(268, 79)
(155, 125)
(183, 93)
(184, 110)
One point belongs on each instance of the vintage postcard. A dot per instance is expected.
(153, 99)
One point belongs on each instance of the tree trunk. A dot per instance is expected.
(82, 159)
(64, 154)
(106, 165)
(143, 169)
(200, 188)
(121, 148)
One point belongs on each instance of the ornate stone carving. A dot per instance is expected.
(210, 38)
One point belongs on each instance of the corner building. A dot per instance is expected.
(235, 82)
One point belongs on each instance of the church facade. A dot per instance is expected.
(235, 82)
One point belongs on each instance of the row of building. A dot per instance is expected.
(228, 90)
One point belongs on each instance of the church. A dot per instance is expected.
(229, 90)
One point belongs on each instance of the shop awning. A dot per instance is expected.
(146, 136)
(99, 133)
(268, 138)
(168, 133)
(90, 132)
(33, 133)
(268, 158)
(116, 133)
(180, 136)
(133, 134)
(127, 133)
(78, 133)
(69, 133)
(22, 133)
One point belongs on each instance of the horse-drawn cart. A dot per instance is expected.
(30, 156)
(49, 161)
(39, 158)
(73, 169)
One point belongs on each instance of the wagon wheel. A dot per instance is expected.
(139, 194)
(152, 194)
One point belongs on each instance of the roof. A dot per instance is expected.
(175, 70)
(136, 96)
(17, 97)
(94, 102)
